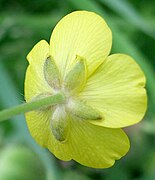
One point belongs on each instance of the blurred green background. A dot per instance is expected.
(23, 24)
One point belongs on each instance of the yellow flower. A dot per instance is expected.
(103, 93)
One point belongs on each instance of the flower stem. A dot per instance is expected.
(30, 106)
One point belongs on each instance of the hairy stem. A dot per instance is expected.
(30, 106)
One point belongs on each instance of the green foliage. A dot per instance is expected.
(23, 24)
(19, 162)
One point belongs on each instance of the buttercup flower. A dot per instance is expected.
(102, 93)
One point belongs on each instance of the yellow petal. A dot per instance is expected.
(80, 33)
(96, 146)
(39, 124)
(116, 89)
(35, 83)
(90, 145)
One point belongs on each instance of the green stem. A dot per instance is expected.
(30, 106)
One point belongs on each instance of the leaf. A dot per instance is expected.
(125, 9)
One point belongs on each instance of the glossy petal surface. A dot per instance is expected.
(116, 89)
(88, 144)
(35, 83)
(80, 33)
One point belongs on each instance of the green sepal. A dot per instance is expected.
(60, 124)
(76, 77)
(83, 111)
(51, 73)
